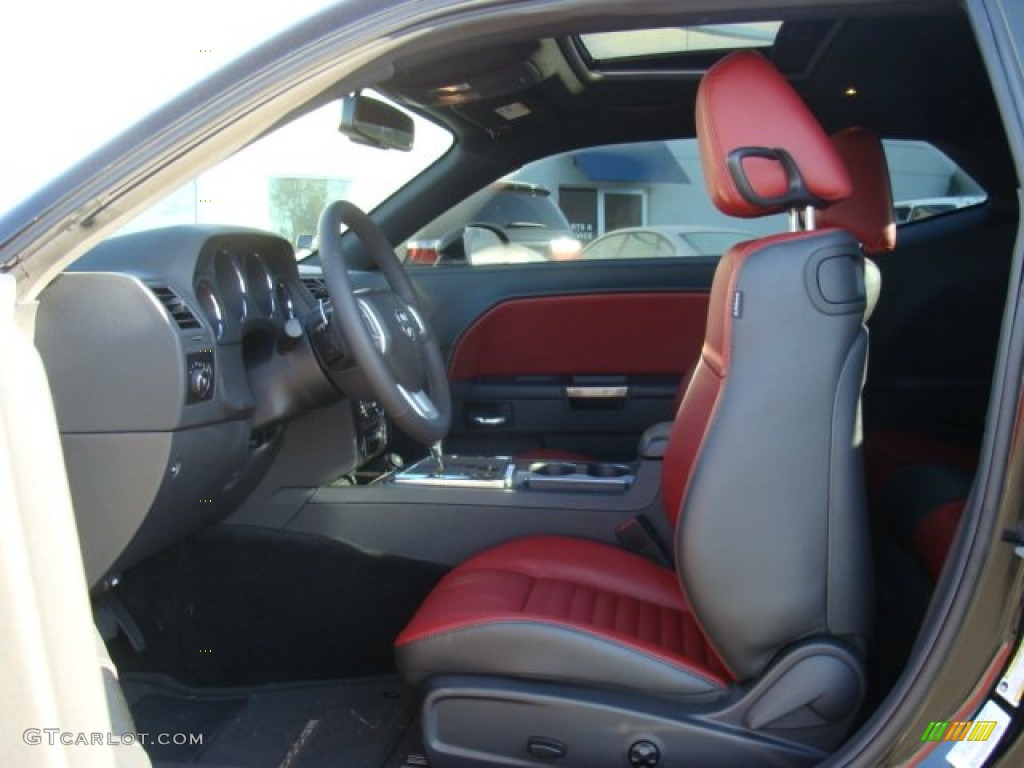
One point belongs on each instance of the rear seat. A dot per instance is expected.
(917, 489)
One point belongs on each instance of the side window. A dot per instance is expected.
(926, 183)
(642, 201)
(627, 201)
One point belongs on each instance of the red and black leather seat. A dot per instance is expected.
(750, 651)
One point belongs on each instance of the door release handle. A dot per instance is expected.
(488, 421)
(596, 392)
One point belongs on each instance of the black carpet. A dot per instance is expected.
(245, 606)
(355, 723)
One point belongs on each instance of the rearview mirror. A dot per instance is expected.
(375, 123)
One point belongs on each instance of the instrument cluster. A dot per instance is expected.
(245, 281)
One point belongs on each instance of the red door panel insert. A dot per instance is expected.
(621, 333)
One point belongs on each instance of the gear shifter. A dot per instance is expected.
(437, 453)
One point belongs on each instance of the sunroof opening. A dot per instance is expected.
(640, 43)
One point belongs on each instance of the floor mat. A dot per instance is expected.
(352, 723)
(314, 609)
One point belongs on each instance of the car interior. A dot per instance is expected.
(650, 511)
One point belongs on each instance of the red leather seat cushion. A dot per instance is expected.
(566, 587)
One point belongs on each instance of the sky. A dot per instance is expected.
(76, 74)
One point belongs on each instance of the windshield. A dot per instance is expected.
(110, 75)
(282, 182)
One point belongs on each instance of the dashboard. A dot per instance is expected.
(176, 358)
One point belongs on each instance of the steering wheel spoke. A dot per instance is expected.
(420, 402)
(374, 325)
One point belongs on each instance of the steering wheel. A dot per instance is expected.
(387, 336)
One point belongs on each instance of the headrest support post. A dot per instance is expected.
(809, 212)
(794, 220)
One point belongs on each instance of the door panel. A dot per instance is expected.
(603, 334)
(578, 356)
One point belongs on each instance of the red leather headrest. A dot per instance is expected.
(746, 109)
(868, 214)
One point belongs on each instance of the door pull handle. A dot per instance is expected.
(488, 421)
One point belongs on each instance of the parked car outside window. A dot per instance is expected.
(915, 210)
(511, 222)
(663, 242)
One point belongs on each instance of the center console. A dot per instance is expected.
(458, 472)
(444, 509)
(509, 474)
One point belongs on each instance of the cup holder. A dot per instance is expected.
(596, 476)
(608, 470)
(553, 468)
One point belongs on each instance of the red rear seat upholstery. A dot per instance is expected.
(918, 489)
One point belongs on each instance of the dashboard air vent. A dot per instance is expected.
(175, 306)
(316, 286)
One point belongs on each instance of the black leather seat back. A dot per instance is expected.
(764, 470)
